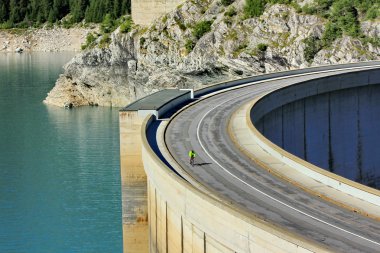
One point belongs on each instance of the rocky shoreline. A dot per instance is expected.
(54, 39)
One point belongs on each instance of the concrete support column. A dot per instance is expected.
(134, 184)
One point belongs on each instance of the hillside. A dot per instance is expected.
(204, 42)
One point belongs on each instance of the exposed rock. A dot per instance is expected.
(371, 28)
(149, 59)
(44, 39)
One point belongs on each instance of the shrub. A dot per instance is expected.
(105, 41)
(164, 19)
(373, 12)
(180, 24)
(331, 33)
(230, 12)
(126, 26)
(6, 25)
(239, 49)
(296, 6)
(232, 35)
(189, 45)
(90, 40)
(227, 2)
(108, 24)
(262, 47)
(345, 15)
(142, 41)
(254, 8)
(312, 47)
(374, 41)
(201, 28)
(227, 20)
(309, 9)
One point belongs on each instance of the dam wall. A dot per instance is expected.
(164, 211)
(332, 123)
(133, 183)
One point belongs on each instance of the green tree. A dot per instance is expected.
(345, 15)
(312, 46)
(254, 8)
(3, 12)
(107, 24)
(331, 33)
(78, 9)
(35, 12)
(126, 26)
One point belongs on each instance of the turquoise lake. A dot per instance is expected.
(59, 168)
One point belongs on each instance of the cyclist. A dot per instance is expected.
(192, 157)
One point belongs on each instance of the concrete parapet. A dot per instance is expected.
(185, 219)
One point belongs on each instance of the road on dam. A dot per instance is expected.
(227, 173)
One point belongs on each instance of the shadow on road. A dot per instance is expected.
(201, 164)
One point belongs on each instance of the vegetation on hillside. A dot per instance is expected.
(365, 9)
(342, 18)
(27, 13)
(106, 28)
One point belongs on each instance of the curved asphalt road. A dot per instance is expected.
(222, 168)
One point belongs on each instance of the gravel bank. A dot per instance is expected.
(44, 40)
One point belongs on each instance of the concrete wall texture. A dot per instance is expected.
(144, 12)
(134, 184)
(335, 130)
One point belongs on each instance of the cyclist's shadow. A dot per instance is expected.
(201, 164)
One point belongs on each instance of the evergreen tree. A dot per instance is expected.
(3, 12)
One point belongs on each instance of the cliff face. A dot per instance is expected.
(170, 54)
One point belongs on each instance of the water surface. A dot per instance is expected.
(59, 168)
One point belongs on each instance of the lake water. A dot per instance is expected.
(59, 168)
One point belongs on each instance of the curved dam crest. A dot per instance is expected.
(336, 130)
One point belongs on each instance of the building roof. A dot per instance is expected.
(156, 100)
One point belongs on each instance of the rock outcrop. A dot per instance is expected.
(168, 54)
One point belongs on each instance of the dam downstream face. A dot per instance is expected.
(338, 131)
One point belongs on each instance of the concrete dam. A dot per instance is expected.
(258, 183)
(336, 130)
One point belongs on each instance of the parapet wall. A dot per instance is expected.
(270, 108)
(144, 12)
